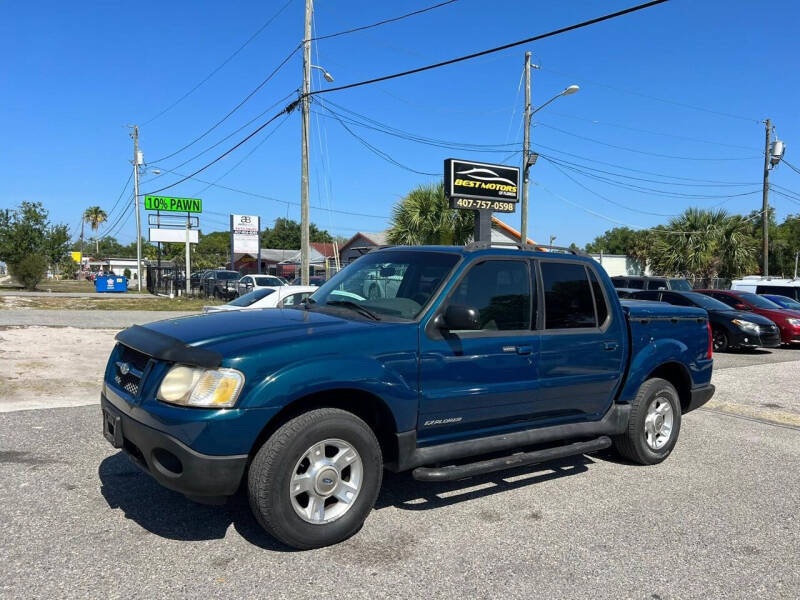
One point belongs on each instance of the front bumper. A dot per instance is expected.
(699, 396)
(170, 462)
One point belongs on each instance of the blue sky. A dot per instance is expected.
(76, 74)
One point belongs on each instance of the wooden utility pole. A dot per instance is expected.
(765, 201)
(526, 150)
(304, 216)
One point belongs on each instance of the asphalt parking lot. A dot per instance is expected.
(718, 519)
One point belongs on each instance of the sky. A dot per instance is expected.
(669, 113)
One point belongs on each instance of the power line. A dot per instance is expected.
(235, 108)
(790, 165)
(224, 62)
(125, 187)
(645, 152)
(286, 110)
(384, 22)
(490, 50)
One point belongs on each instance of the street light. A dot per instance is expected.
(328, 77)
(527, 158)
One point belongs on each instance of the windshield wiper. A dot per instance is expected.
(355, 306)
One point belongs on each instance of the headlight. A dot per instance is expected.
(795, 322)
(746, 325)
(194, 386)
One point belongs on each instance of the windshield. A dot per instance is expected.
(680, 285)
(759, 301)
(251, 297)
(706, 302)
(228, 275)
(389, 283)
(785, 301)
(273, 281)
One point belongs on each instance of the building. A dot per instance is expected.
(113, 265)
(620, 264)
(360, 244)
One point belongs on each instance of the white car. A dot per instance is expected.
(248, 283)
(267, 297)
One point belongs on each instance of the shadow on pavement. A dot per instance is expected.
(171, 515)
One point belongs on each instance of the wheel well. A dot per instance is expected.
(677, 375)
(367, 407)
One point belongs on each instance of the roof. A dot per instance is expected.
(510, 231)
(376, 238)
(324, 248)
(277, 255)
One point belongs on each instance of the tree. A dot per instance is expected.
(425, 217)
(26, 232)
(30, 270)
(614, 241)
(94, 216)
(286, 234)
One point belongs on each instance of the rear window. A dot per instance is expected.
(619, 282)
(568, 301)
(273, 281)
(252, 297)
(228, 275)
(657, 284)
(636, 284)
(680, 285)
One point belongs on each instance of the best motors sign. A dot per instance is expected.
(481, 186)
(245, 230)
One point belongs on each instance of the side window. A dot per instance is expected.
(568, 302)
(729, 300)
(500, 290)
(657, 284)
(637, 284)
(599, 298)
(295, 299)
(676, 299)
(619, 282)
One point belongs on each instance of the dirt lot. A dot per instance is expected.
(52, 367)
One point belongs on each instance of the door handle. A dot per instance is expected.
(610, 346)
(524, 349)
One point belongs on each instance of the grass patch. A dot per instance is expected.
(104, 302)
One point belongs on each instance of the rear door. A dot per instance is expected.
(484, 378)
(581, 345)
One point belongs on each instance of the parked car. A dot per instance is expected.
(788, 321)
(248, 283)
(478, 351)
(730, 329)
(215, 283)
(266, 297)
(315, 280)
(783, 301)
(651, 283)
(768, 285)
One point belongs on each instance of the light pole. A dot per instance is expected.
(527, 159)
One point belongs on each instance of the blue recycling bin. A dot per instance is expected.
(111, 283)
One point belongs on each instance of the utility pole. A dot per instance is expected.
(765, 201)
(304, 217)
(526, 150)
(137, 160)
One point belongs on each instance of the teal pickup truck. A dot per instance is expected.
(476, 359)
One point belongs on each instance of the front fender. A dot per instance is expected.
(303, 378)
(651, 357)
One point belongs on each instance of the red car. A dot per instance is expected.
(788, 321)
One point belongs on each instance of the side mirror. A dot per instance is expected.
(741, 307)
(459, 317)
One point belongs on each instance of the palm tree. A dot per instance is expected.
(94, 215)
(424, 217)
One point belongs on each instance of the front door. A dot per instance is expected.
(482, 378)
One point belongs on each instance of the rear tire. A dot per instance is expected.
(654, 423)
(329, 452)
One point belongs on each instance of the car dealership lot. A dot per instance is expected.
(718, 518)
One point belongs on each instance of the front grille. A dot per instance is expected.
(134, 363)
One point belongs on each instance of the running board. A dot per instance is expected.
(520, 459)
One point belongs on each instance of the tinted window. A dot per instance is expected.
(500, 290)
(228, 275)
(657, 284)
(680, 284)
(254, 296)
(780, 290)
(785, 301)
(619, 282)
(704, 301)
(675, 299)
(273, 281)
(729, 300)
(636, 284)
(758, 301)
(646, 296)
(567, 296)
(599, 298)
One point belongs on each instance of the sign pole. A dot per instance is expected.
(483, 226)
(188, 255)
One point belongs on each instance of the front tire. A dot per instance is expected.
(315, 480)
(720, 340)
(654, 423)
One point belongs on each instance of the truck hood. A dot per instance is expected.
(215, 328)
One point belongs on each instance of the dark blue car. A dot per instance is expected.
(474, 351)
